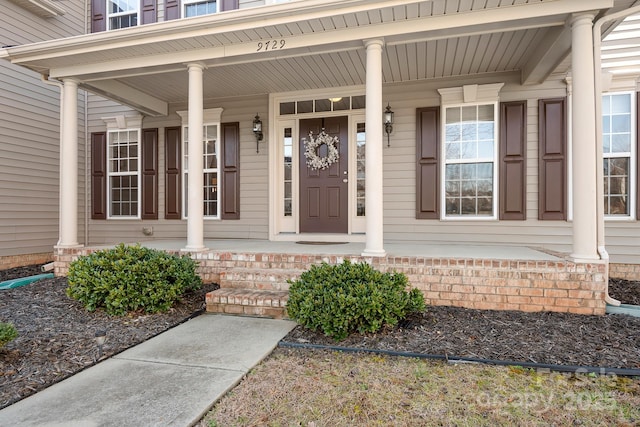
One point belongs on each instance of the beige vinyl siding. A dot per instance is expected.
(399, 172)
(29, 134)
(253, 222)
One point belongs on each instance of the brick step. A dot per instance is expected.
(255, 278)
(248, 302)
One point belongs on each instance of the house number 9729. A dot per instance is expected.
(270, 45)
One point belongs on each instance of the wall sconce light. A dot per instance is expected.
(257, 130)
(388, 123)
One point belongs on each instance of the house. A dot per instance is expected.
(30, 133)
(443, 123)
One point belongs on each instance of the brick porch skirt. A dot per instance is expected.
(561, 286)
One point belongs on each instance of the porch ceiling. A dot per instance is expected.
(319, 43)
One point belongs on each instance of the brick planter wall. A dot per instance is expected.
(625, 271)
(12, 261)
(562, 286)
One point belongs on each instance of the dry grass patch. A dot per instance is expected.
(318, 388)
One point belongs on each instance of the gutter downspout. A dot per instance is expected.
(597, 66)
(45, 79)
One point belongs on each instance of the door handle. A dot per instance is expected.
(345, 180)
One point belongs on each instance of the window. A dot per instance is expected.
(123, 160)
(122, 13)
(469, 156)
(618, 134)
(211, 168)
(288, 171)
(361, 141)
(199, 7)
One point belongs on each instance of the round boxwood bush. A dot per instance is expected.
(345, 298)
(131, 278)
(8, 333)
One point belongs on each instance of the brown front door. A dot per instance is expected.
(324, 198)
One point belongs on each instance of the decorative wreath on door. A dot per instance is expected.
(311, 145)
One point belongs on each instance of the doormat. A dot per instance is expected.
(320, 243)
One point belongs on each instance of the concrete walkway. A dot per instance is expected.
(170, 380)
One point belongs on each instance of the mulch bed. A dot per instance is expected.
(57, 335)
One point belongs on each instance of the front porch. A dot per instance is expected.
(253, 274)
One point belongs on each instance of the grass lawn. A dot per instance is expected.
(314, 388)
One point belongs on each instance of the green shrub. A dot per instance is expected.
(346, 298)
(8, 333)
(130, 278)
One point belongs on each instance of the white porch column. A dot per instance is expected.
(373, 150)
(69, 166)
(195, 213)
(585, 241)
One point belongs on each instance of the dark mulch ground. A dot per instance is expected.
(57, 336)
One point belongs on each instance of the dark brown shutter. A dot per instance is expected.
(637, 156)
(98, 15)
(230, 170)
(148, 11)
(99, 175)
(229, 5)
(171, 9)
(552, 181)
(172, 155)
(513, 155)
(149, 174)
(427, 167)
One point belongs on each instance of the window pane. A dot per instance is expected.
(621, 143)
(305, 107)
(287, 108)
(358, 102)
(361, 142)
(453, 150)
(620, 123)
(616, 186)
(452, 133)
(323, 105)
(485, 113)
(468, 150)
(453, 115)
(210, 194)
(342, 104)
(469, 114)
(620, 104)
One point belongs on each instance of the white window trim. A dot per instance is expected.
(633, 160)
(185, 3)
(465, 96)
(131, 12)
(124, 124)
(210, 117)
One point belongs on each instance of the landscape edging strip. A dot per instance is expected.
(558, 368)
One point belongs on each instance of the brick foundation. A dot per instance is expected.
(625, 271)
(13, 261)
(562, 286)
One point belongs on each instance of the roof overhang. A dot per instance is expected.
(312, 43)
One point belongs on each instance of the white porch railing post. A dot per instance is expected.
(195, 214)
(585, 241)
(373, 151)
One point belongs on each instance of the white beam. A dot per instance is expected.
(128, 95)
(554, 48)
